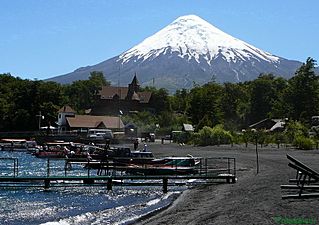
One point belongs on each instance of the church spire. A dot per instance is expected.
(133, 87)
(135, 81)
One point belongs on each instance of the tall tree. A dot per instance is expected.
(302, 95)
(160, 99)
(21, 101)
(81, 94)
(206, 101)
(264, 94)
(180, 101)
(235, 104)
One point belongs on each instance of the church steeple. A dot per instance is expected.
(133, 88)
(135, 81)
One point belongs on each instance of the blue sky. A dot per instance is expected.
(45, 38)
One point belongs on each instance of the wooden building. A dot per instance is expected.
(69, 121)
(121, 100)
(84, 122)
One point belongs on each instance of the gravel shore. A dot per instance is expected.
(253, 199)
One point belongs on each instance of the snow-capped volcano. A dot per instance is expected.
(192, 37)
(187, 51)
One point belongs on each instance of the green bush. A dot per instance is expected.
(237, 138)
(212, 136)
(203, 137)
(182, 137)
(294, 130)
(302, 142)
(278, 138)
(221, 136)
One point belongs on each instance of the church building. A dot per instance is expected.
(121, 100)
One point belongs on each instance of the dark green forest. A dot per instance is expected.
(234, 105)
(22, 100)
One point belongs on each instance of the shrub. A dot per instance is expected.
(303, 142)
(204, 136)
(277, 138)
(237, 138)
(181, 137)
(212, 136)
(295, 129)
(221, 136)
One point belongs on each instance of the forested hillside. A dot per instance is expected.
(235, 105)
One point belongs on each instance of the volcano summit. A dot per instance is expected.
(186, 52)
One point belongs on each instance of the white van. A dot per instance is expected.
(99, 134)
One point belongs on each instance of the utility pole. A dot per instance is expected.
(257, 158)
(120, 116)
(40, 117)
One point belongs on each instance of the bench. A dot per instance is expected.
(305, 180)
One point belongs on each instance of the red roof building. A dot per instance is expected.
(69, 121)
(99, 122)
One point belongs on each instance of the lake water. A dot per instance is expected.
(73, 205)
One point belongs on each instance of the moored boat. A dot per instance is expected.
(166, 166)
(120, 157)
(70, 150)
(125, 156)
(18, 145)
(58, 149)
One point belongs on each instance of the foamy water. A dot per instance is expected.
(74, 205)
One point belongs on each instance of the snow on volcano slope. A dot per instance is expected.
(186, 52)
(192, 36)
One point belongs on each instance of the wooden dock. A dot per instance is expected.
(226, 173)
(107, 181)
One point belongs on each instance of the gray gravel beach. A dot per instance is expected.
(254, 199)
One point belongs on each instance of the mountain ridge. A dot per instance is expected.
(186, 52)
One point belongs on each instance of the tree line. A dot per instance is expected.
(237, 105)
(22, 100)
(234, 105)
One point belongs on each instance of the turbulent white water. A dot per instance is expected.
(74, 205)
(120, 215)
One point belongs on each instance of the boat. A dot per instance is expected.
(57, 149)
(187, 161)
(71, 151)
(18, 145)
(124, 156)
(119, 158)
(166, 166)
(50, 154)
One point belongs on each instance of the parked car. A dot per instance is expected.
(99, 134)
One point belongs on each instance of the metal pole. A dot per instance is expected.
(89, 168)
(257, 160)
(14, 168)
(109, 184)
(48, 167)
(65, 168)
(165, 182)
(200, 166)
(235, 166)
(46, 184)
(206, 167)
(17, 167)
(39, 122)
